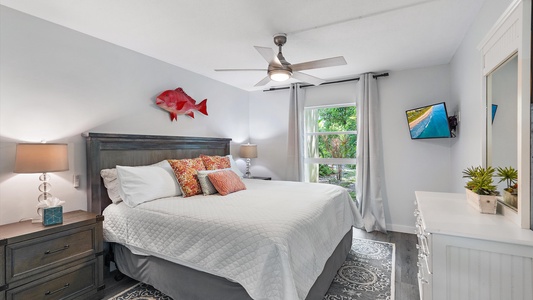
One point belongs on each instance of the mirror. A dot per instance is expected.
(507, 45)
(502, 114)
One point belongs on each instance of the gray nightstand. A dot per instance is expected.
(62, 261)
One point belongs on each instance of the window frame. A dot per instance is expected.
(308, 161)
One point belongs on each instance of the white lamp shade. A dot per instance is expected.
(248, 151)
(41, 158)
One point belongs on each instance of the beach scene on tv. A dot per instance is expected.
(428, 122)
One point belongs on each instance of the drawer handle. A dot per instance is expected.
(58, 250)
(58, 290)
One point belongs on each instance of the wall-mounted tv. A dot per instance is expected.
(429, 122)
(494, 109)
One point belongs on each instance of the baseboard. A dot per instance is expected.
(401, 228)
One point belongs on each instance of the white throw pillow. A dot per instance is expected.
(111, 184)
(207, 187)
(234, 166)
(146, 183)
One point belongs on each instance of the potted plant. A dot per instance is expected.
(510, 176)
(480, 189)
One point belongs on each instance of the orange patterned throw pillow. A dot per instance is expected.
(226, 182)
(215, 162)
(186, 171)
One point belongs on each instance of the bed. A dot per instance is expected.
(190, 263)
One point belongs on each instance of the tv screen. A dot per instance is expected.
(429, 122)
(494, 109)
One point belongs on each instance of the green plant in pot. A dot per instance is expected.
(510, 176)
(480, 189)
(481, 180)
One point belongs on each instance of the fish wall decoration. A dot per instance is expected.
(177, 102)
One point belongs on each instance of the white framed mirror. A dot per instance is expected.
(507, 48)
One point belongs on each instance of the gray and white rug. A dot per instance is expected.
(367, 274)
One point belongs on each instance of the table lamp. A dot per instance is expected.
(41, 158)
(248, 151)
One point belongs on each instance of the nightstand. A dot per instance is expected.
(261, 178)
(62, 261)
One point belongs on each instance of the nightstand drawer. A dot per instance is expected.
(26, 258)
(67, 284)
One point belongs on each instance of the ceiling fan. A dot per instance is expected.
(279, 69)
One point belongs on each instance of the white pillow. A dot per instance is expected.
(207, 187)
(111, 184)
(146, 183)
(234, 166)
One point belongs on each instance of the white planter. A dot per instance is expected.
(484, 203)
(510, 199)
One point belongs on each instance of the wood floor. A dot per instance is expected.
(406, 284)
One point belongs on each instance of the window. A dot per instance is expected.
(330, 145)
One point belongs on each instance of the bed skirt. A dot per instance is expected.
(180, 282)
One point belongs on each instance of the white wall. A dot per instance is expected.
(466, 92)
(56, 83)
(269, 121)
(411, 165)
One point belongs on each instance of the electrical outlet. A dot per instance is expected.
(76, 181)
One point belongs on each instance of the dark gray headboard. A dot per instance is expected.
(108, 150)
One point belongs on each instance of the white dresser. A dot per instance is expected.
(466, 255)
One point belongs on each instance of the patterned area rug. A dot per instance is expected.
(367, 274)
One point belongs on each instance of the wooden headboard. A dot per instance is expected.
(105, 151)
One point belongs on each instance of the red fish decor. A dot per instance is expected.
(177, 102)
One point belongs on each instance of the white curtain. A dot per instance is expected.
(295, 157)
(369, 155)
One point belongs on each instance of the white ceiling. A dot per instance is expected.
(203, 35)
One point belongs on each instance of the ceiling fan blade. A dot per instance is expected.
(263, 81)
(228, 70)
(268, 54)
(307, 78)
(321, 63)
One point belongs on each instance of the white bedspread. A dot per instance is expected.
(273, 238)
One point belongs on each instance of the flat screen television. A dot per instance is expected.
(429, 122)
(494, 109)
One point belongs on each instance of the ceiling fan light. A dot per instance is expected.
(279, 75)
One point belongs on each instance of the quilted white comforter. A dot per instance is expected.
(273, 238)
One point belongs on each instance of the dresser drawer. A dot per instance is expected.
(67, 284)
(26, 258)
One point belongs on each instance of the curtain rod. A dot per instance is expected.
(329, 82)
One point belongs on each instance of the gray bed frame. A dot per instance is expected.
(177, 281)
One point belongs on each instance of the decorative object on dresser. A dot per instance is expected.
(248, 151)
(177, 102)
(480, 190)
(462, 253)
(58, 262)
